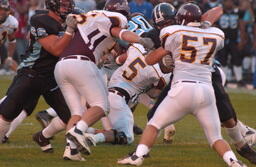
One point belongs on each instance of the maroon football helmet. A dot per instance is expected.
(187, 13)
(120, 6)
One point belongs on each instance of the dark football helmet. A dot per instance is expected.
(4, 10)
(120, 6)
(60, 7)
(188, 13)
(164, 15)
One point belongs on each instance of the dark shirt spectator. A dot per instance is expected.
(141, 6)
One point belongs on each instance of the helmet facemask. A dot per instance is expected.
(61, 7)
(66, 7)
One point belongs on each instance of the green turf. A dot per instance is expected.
(189, 149)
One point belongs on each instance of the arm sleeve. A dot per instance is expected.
(38, 30)
(13, 26)
(166, 38)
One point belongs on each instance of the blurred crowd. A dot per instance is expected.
(238, 58)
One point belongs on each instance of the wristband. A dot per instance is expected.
(121, 33)
(118, 61)
(68, 33)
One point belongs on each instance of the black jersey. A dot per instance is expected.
(229, 23)
(37, 58)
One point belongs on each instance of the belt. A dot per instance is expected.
(121, 92)
(77, 57)
(186, 81)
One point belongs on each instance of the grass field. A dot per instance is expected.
(189, 149)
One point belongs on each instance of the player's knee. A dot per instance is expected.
(103, 105)
(214, 138)
(155, 124)
(10, 109)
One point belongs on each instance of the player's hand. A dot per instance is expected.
(71, 23)
(147, 43)
(10, 63)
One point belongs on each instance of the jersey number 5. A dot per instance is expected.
(193, 51)
(133, 68)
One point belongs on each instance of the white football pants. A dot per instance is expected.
(185, 98)
(81, 79)
(121, 116)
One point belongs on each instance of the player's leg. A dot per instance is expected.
(121, 120)
(27, 111)
(70, 93)
(169, 111)
(24, 85)
(15, 123)
(161, 97)
(90, 86)
(207, 115)
(121, 117)
(45, 116)
(1, 100)
(228, 118)
(56, 100)
(248, 133)
(106, 124)
(170, 130)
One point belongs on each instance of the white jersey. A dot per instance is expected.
(193, 50)
(134, 75)
(8, 27)
(95, 27)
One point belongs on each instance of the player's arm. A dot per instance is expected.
(10, 52)
(212, 15)
(156, 56)
(56, 45)
(131, 37)
(11, 44)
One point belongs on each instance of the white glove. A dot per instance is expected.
(71, 23)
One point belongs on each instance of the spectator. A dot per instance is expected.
(20, 8)
(211, 4)
(231, 24)
(33, 6)
(86, 5)
(141, 6)
(247, 50)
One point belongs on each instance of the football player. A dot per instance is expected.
(35, 76)
(126, 84)
(235, 129)
(193, 49)
(8, 27)
(77, 73)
